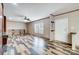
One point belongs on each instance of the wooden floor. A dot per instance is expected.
(31, 45)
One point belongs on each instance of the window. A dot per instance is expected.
(36, 28)
(39, 28)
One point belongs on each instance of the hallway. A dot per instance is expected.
(32, 45)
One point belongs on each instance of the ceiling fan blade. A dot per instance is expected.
(28, 19)
(22, 16)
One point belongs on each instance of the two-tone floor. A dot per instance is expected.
(32, 45)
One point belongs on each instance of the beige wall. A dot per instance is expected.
(46, 27)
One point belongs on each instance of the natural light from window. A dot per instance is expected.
(39, 28)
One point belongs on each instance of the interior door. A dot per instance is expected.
(61, 29)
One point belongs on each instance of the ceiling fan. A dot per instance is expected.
(23, 16)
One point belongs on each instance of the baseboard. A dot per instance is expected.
(63, 42)
(49, 39)
(38, 36)
(41, 37)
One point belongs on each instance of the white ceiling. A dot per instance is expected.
(36, 11)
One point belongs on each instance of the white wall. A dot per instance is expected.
(61, 29)
(16, 25)
(73, 24)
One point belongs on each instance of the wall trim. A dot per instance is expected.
(57, 15)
